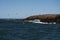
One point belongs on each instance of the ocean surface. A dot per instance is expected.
(19, 30)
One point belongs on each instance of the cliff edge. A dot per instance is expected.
(45, 18)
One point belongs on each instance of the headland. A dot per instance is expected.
(49, 18)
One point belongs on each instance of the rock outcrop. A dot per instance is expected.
(45, 18)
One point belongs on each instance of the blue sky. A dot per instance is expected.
(25, 8)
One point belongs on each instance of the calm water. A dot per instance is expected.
(29, 31)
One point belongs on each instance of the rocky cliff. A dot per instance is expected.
(45, 18)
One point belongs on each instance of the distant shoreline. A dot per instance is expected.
(50, 18)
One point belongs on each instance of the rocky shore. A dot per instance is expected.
(45, 18)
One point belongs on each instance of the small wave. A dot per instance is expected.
(44, 22)
(38, 21)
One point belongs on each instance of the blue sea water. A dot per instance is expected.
(29, 31)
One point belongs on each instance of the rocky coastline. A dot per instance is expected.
(44, 18)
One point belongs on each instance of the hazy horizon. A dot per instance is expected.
(24, 8)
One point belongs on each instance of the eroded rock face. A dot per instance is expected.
(45, 18)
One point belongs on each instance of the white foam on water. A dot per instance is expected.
(38, 21)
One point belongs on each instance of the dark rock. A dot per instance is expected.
(45, 18)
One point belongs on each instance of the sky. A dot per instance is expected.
(25, 8)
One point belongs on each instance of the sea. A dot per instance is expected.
(19, 30)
